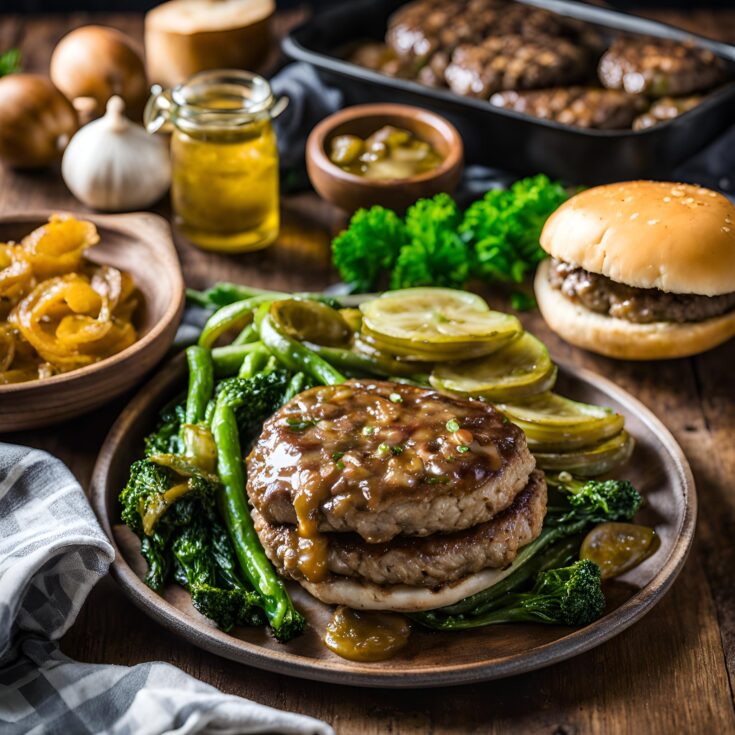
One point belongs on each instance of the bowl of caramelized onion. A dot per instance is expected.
(88, 305)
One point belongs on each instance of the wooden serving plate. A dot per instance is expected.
(141, 244)
(658, 468)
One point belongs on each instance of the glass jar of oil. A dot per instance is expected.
(224, 159)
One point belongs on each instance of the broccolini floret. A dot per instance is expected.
(568, 596)
(598, 500)
(165, 439)
(216, 593)
(253, 399)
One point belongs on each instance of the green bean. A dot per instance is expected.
(294, 355)
(254, 361)
(357, 363)
(295, 385)
(201, 383)
(229, 317)
(227, 360)
(249, 334)
(283, 617)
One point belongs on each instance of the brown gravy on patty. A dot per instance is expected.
(368, 442)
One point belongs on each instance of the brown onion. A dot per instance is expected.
(93, 63)
(36, 121)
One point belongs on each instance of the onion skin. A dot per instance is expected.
(36, 121)
(96, 62)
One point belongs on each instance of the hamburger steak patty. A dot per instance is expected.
(659, 67)
(666, 108)
(427, 562)
(640, 305)
(585, 107)
(513, 62)
(383, 459)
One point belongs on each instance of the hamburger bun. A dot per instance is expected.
(674, 238)
(622, 339)
(649, 234)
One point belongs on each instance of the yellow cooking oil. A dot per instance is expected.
(224, 160)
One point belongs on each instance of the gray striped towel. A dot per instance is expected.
(52, 552)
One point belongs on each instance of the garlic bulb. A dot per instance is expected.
(114, 165)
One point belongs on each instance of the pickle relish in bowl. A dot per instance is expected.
(388, 153)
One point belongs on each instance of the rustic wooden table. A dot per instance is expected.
(673, 672)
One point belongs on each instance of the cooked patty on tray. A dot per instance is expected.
(659, 67)
(640, 305)
(585, 107)
(427, 562)
(513, 62)
(666, 108)
(420, 28)
(384, 459)
(425, 27)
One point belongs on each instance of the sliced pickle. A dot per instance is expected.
(388, 364)
(519, 370)
(554, 423)
(619, 547)
(592, 461)
(420, 353)
(353, 317)
(311, 321)
(441, 321)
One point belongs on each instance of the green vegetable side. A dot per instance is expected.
(495, 240)
(186, 498)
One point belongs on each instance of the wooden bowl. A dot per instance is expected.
(349, 191)
(142, 245)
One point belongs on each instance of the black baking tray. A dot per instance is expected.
(511, 140)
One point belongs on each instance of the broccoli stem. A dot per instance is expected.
(198, 298)
(296, 356)
(223, 293)
(560, 596)
(284, 619)
(201, 383)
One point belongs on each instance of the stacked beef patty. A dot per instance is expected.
(371, 488)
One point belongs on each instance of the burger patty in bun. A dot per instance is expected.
(641, 305)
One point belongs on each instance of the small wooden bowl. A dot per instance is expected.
(349, 191)
(141, 244)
